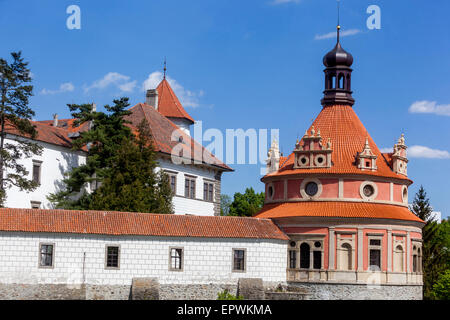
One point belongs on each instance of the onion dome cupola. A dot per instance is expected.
(338, 76)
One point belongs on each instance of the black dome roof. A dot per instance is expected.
(338, 57)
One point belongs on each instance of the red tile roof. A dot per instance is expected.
(132, 223)
(339, 209)
(168, 103)
(162, 129)
(45, 133)
(348, 135)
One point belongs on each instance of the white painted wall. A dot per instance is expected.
(183, 124)
(184, 205)
(206, 260)
(55, 161)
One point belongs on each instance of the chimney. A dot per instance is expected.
(152, 98)
(55, 120)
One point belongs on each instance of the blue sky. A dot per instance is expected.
(250, 64)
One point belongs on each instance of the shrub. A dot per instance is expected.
(226, 295)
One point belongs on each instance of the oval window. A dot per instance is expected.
(368, 190)
(317, 244)
(311, 188)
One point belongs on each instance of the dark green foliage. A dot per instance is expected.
(122, 164)
(433, 248)
(225, 203)
(247, 204)
(15, 114)
(226, 295)
(441, 289)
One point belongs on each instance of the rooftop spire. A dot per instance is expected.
(165, 67)
(338, 24)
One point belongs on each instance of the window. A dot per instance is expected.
(208, 192)
(417, 258)
(317, 259)
(311, 188)
(304, 256)
(189, 188)
(37, 171)
(374, 254)
(46, 255)
(176, 259)
(173, 183)
(238, 260)
(112, 257)
(292, 259)
(35, 204)
(368, 190)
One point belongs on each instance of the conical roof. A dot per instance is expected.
(168, 103)
(348, 136)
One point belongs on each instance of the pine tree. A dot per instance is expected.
(15, 116)
(430, 247)
(121, 164)
(132, 182)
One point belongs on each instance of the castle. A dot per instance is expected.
(335, 224)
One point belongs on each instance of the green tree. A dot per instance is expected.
(121, 165)
(225, 203)
(247, 204)
(431, 248)
(15, 116)
(441, 289)
(132, 182)
(226, 295)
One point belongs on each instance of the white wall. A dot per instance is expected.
(55, 161)
(184, 205)
(206, 260)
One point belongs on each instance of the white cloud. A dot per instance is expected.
(422, 152)
(386, 150)
(187, 97)
(425, 152)
(118, 80)
(64, 87)
(330, 35)
(430, 107)
(276, 2)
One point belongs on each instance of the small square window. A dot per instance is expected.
(35, 204)
(112, 257)
(238, 260)
(46, 255)
(176, 259)
(375, 242)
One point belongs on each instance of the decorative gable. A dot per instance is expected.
(366, 159)
(399, 159)
(312, 154)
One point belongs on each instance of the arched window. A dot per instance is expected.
(398, 259)
(332, 81)
(348, 82)
(304, 255)
(417, 259)
(345, 257)
(341, 81)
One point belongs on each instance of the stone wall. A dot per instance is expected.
(335, 291)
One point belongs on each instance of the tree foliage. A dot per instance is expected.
(247, 204)
(433, 248)
(120, 164)
(15, 116)
(225, 203)
(441, 289)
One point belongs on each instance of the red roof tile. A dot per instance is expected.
(131, 223)
(348, 135)
(168, 103)
(336, 209)
(162, 129)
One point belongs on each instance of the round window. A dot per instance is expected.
(311, 188)
(292, 243)
(303, 160)
(317, 244)
(368, 190)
